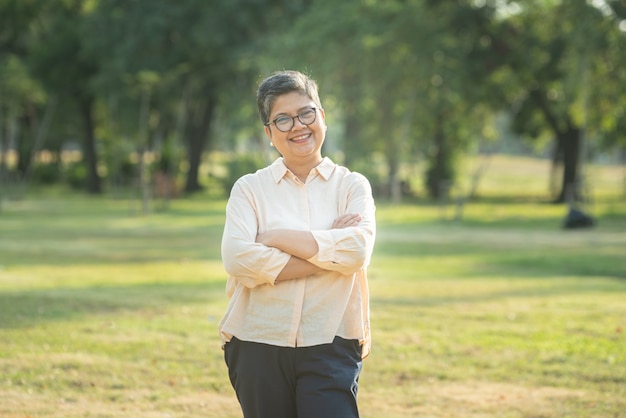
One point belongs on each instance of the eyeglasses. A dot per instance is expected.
(285, 123)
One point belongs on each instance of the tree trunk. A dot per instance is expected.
(437, 181)
(352, 134)
(4, 144)
(196, 143)
(556, 162)
(90, 156)
(24, 145)
(570, 141)
(11, 131)
(41, 132)
(391, 155)
(352, 145)
(624, 171)
(144, 180)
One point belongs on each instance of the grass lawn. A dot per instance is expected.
(106, 313)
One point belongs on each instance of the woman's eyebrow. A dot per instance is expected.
(298, 111)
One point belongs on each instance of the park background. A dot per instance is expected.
(481, 125)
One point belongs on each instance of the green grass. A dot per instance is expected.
(106, 313)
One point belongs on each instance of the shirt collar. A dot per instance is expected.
(324, 169)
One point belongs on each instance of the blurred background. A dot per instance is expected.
(505, 117)
(157, 97)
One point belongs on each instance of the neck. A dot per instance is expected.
(302, 168)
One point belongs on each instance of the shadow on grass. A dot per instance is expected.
(27, 308)
(539, 292)
(504, 261)
(548, 265)
(56, 246)
(86, 231)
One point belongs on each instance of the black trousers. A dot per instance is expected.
(304, 382)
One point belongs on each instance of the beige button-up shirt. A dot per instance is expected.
(310, 310)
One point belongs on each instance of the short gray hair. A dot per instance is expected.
(283, 82)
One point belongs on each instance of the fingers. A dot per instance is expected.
(347, 220)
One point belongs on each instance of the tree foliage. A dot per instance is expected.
(403, 81)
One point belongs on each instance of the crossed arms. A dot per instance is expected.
(301, 245)
(254, 258)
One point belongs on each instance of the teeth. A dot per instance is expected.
(299, 137)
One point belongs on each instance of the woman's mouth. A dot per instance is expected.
(301, 138)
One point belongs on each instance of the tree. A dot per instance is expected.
(558, 58)
(399, 71)
(403, 80)
(58, 60)
(192, 46)
(21, 96)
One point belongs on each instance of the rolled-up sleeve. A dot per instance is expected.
(349, 250)
(250, 263)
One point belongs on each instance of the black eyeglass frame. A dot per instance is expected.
(293, 119)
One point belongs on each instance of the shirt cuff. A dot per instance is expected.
(326, 248)
(275, 264)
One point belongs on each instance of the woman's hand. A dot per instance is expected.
(347, 220)
(302, 244)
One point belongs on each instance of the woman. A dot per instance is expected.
(298, 237)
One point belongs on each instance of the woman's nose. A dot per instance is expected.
(297, 120)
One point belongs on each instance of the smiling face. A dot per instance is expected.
(301, 147)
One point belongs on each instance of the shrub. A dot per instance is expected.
(75, 175)
(439, 178)
(238, 166)
(46, 173)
